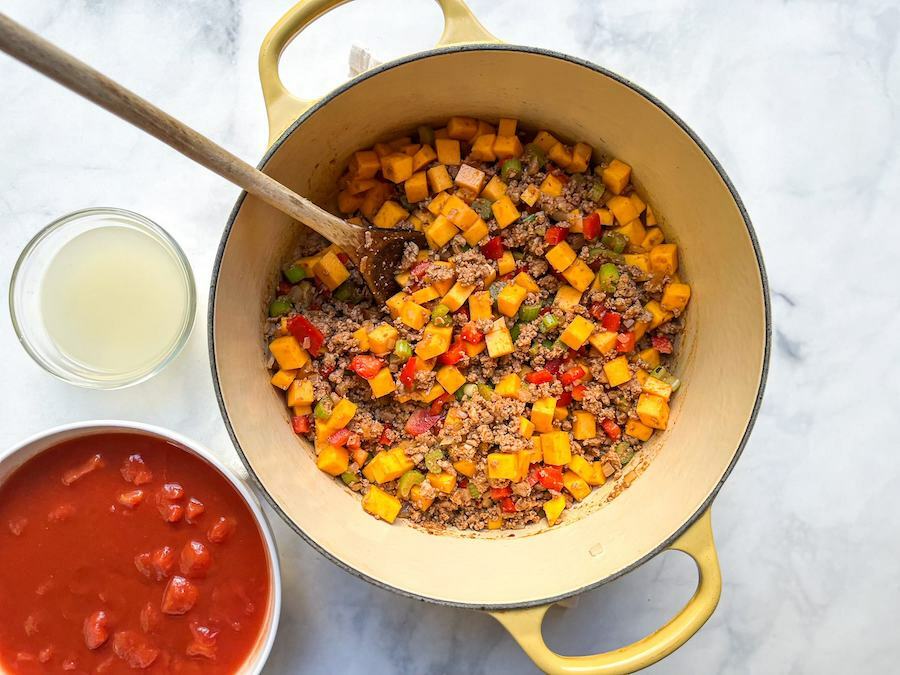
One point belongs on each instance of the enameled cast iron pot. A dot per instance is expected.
(724, 350)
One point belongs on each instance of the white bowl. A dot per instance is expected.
(14, 457)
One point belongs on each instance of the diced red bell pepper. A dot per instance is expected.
(662, 344)
(611, 321)
(572, 374)
(550, 477)
(300, 424)
(408, 372)
(591, 226)
(420, 269)
(366, 366)
(578, 392)
(283, 287)
(554, 364)
(564, 399)
(438, 404)
(453, 355)
(340, 437)
(598, 310)
(625, 342)
(325, 371)
(555, 234)
(420, 421)
(499, 493)
(539, 376)
(471, 334)
(611, 429)
(533, 475)
(302, 328)
(507, 505)
(493, 249)
(387, 434)
(354, 442)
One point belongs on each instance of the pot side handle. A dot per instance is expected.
(697, 542)
(460, 26)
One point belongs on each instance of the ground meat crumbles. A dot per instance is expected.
(528, 353)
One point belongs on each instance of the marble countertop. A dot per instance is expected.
(801, 103)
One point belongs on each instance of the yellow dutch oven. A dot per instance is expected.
(514, 576)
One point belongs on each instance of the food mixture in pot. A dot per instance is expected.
(529, 352)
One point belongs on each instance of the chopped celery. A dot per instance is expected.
(432, 460)
(440, 310)
(662, 373)
(536, 152)
(442, 321)
(349, 478)
(548, 323)
(614, 241)
(535, 349)
(509, 167)
(346, 292)
(608, 277)
(440, 315)
(402, 349)
(482, 207)
(518, 255)
(515, 331)
(408, 481)
(624, 451)
(295, 273)
(486, 391)
(529, 313)
(322, 411)
(473, 491)
(280, 306)
(598, 189)
(466, 391)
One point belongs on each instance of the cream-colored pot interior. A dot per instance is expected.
(722, 353)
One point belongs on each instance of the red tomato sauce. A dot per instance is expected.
(121, 552)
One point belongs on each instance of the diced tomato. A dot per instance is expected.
(591, 226)
(611, 429)
(387, 434)
(134, 470)
(300, 424)
(193, 510)
(162, 562)
(17, 525)
(420, 421)
(131, 499)
(499, 493)
(303, 329)
(90, 464)
(578, 392)
(165, 502)
(550, 477)
(564, 399)
(195, 560)
(611, 321)
(420, 269)
(179, 597)
(437, 405)
(61, 513)
(221, 529)
(45, 655)
(539, 376)
(494, 248)
(354, 442)
(142, 564)
(453, 355)
(662, 343)
(408, 372)
(340, 437)
(555, 234)
(471, 334)
(597, 310)
(284, 287)
(572, 374)
(507, 505)
(96, 629)
(625, 342)
(172, 491)
(366, 366)
(150, 617)
(205, 641)
(134, 649)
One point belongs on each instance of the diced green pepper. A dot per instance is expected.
(510, 166)
(473, 491)
(614, 241)
(349, 478)
(403, 350)
(528, 313)
(295, 273)
(440, 310)
(608, 277)
(482, 207)
(486, 391)
(432, 459)
(280, 306)
(624, 451)
(408, 481)
(322, 411)
(548, 344)
(548, 323)
(515, 331)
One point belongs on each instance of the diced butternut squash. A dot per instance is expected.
(654, 237)
(348, 203)
(389, 215)
(664, 259)
(448, 151)
(506, 126)
(485, 128)
(494, 189)
(437, 203)
(382, 149)
(397, 167)
(483, 148)
(413, 315)
(418, 498)
(499, 341)
(466, 467)
(460, 214)
(561, 256)
(579, 275)
(450, 378)
(653, 411)
(380, 504)
(651, 356)
(435, 341)
(561, 154)
(373, 199)
(343, 412)
(542, 413)
(604, 341)
(439, 178)
(641, 261)
(660, 316)
(584, 425)
(300, 393)
(333, 459)
(506, 263)
(656, 387)
(510, 299)
(577, 332)
(553, 508)
(474, 349)
(622, 208)
(675, 297)
(581, 157)
(567, 297)
(469, 178)
(545, 140)
(423, 157)
(283, 378)
(480, 306)
(360, 185)
(288, 353)
(590, 472)
(650, 217)
(442, 482)
(509, 386)
(416, 187)
(526, 428)
(440, 231)
(331, 271)
(576, 485)
(382, 384)
(441, 133)
(551, 186)
(556, 447)
(530, 195)
(505, 211)
(507, 147)
(502, 465)
(639, 430)
(462, 128)
(425, 294)
(457, 295)
(395, 303)
(606, 217)
(476, 232)
(364, 164)
(400, 143)
(382, 339)
(617, 371)
(633, 231)
(616, 176)
(639, 204)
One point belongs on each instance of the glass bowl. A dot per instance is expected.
(26, 304)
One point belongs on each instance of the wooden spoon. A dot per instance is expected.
(375, 252)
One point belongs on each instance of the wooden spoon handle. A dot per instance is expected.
(31, 49)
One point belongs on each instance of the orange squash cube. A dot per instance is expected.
(448, 151)
(545, 140)
(364, 164)
(507, 147)
(483, 148)
(495, 189)
(397, 167)
(439, 178)
(389, 215)
(416, 187)
(462, 128)
(424, 156)
(616, 176)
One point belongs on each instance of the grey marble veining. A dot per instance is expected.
(799, 100)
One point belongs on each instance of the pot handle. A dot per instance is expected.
(460, 26)
(697, 542)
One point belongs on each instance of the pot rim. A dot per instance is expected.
(260, 655)
(575, 61)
